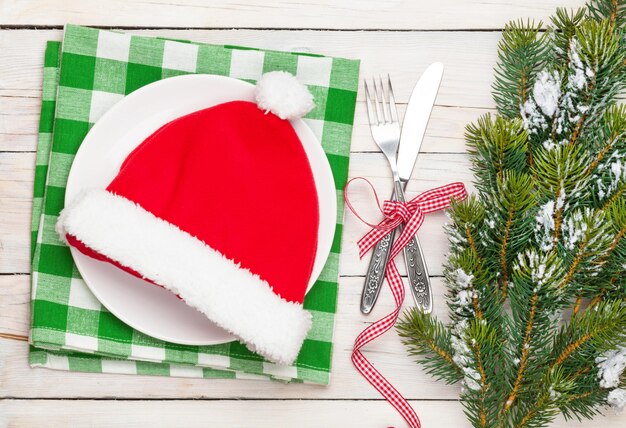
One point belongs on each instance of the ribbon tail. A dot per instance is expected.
(429, 201)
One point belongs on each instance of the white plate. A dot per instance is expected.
(145, 307)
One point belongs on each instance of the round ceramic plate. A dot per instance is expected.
(145, 307)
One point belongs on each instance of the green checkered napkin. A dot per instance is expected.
(83, 77)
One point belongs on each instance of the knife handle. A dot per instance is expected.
(415, 264)
(416, 270)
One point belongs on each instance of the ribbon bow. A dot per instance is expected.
(411, 214)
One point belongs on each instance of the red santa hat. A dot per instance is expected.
(219, 207)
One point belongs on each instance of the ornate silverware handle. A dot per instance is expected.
(376, 273)
(416, 265)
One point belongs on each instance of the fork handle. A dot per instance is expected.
(416, 268)
(376, 272)
(416, 265)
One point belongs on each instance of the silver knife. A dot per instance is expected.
(415, 122)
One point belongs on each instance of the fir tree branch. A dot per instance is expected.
(577, 304)
(580, 396)
(580, 254)
(583, 117)
(523, 355)
(572, 347)
(617, 215)
(565, 24)
(558, 216)
(520, 57)
(530, 414)
(504, 267)
(480, 351)
(471, 240)
(548, 223)
(425, 336)
(586, 336)
(600, 156)
(614, 243)
(483, 385)
(592, 304)
(621, 190)
(613, 10)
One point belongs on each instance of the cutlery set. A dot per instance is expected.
(400, 145)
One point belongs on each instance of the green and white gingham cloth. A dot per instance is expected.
(83, 77)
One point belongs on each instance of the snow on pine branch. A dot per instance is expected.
(465, 293)
(617, 399)
(463, 356)
(552, 109)
(610, 175)
(611, 366)
(543, 103)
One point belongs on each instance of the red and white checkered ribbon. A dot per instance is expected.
(411, 214)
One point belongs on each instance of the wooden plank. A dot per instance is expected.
(469, 56)
(389, 355)
(20, 75)
(14, 305)
(347, 14)
(257, 413)
(19, 122)
(16, 175)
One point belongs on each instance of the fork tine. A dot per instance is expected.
(377, 103)
(392, 102)
(384, 103)
(371, 112)
(380, 97)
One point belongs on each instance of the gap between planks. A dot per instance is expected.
(18, 27)
(213, 399)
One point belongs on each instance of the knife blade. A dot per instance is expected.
(416, 118)
(413, 129)
(415, 122)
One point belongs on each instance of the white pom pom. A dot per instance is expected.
(282, 94)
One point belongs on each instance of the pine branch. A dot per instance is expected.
(565, 23)
(520, 57)
(613, 10)
(496, 145)
(485, 352)
(598, 330)
(601, 52)
(534, 299)
(545, 232)
(554, 391)
(424, 336)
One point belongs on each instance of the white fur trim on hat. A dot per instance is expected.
(228, 294)
(282, 94)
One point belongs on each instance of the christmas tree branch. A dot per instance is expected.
(504, 266)
(545, 232)
(425, 336)
(525, 348)
(520, 56)
(577, 305)
(483, 385)
(532, 412)
(600, 156)
(617, 195)
(592, 332)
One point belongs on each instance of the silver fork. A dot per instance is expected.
(385, 128)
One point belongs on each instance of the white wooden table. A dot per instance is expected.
(397, 36)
